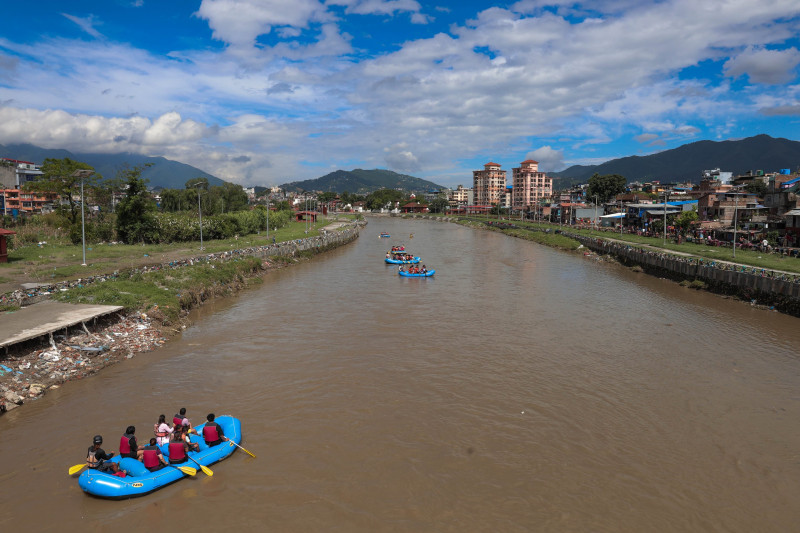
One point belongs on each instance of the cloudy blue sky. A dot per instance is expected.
(261, 92)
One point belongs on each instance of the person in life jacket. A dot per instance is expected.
(162, 430)
(193, 446)
(178, 449)
(151, 456)
(212, 432)
(180, 419)
(129, 446)
(96, 457)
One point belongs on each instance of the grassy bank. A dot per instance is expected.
(553, 239)
(165, 294)
(753, 258)
(60, 260)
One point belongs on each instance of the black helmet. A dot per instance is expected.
(98, 439)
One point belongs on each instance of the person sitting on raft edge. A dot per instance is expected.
(212, 432)
(129, 446)
(152, 458)
(96, 457)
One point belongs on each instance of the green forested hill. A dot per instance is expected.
(687, 162)
(163, 173)
(362, 182)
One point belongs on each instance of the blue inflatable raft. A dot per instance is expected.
(427, 274)
(141, 481)
(394, 261)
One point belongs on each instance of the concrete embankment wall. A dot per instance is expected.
(328, 239)
(750, 283)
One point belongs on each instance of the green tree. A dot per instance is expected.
(195, 182)
(757, 187)
(685, 219)
(439, 204)
(606, 187)
(59, 177)
(383, 197)
(135, 211)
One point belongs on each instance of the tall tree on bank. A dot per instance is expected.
(58, 176)
(136, 209)
(606, 187)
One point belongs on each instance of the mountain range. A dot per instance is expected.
(361, 181)
(164, 173)
(682, 164)
(687, 162)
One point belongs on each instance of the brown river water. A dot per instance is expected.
(520, 389)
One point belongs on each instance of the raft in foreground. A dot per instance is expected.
(427, 274)
(141, 481)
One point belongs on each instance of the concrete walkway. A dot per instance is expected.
(46, 317)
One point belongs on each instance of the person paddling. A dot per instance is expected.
(96, 457)
(212, 432)
(151, 456)
(129, 446)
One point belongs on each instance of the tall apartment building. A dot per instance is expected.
(488, 184)
(530, 185)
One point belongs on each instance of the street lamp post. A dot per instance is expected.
(595, 212)
(665, 218)
(200, 212)
(82, 174)
(735, 209)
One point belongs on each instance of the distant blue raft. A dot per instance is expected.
(141, 481)
(393, 261)
(427, 274)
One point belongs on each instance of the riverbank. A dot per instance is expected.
(775, 290)
(157, 300)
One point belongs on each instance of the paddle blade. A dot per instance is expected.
(207, 471)
(187, 470)
(245, 451)
(75, 469)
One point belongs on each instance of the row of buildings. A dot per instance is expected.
(719, 199)
(13, 200)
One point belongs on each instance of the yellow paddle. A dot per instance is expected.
(206, 470)
(185, 469)
(189, 471)
(245, 451)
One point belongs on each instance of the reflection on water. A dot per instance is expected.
(520, 389)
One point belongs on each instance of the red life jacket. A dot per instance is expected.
(124, 444)
(157, 432)
(177, 420)
(176, 452)
(150, 457)
(210, 433)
